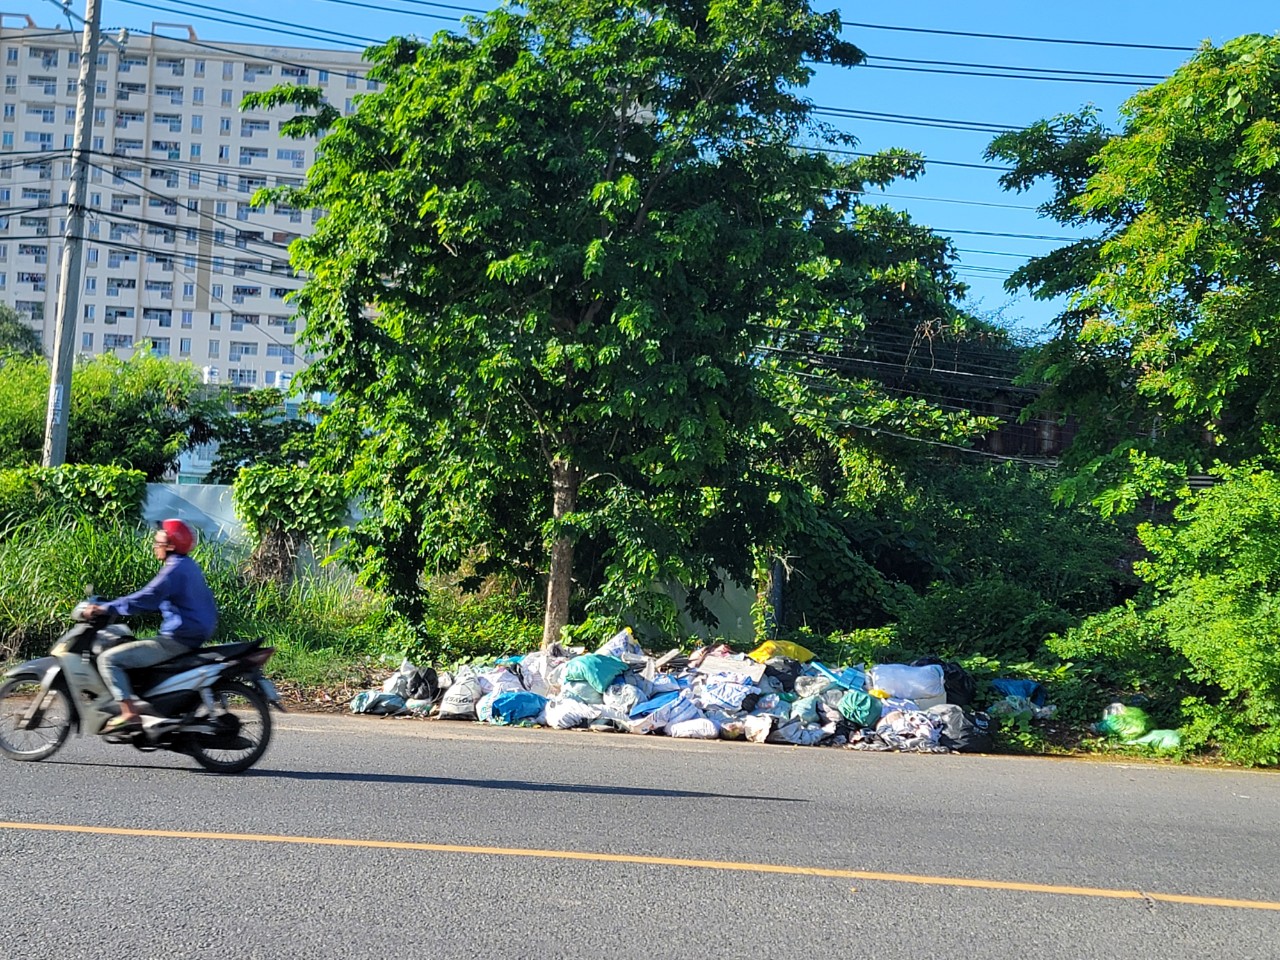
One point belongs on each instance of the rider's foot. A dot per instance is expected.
(122, 724)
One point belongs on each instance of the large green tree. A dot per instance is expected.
(254, 427)
(16, 335)
(139, 413)
(570, 263)
(1169, 351)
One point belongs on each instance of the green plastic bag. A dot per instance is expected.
(1126, 723)
(596, 669)
(860, 707)
(1159, 740)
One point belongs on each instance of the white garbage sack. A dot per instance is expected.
(622, 645)
(459, 701)
(697, 729)
(757, 728)
(567, 714)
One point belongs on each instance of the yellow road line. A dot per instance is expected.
(1097, 892)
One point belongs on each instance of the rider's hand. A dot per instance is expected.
(94, 610)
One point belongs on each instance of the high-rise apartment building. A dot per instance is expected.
(175, 253)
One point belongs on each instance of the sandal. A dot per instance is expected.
(121, 724)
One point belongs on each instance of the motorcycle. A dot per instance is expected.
(212, 704)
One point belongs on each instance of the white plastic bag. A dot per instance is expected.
(757, 728)
(398, 683)
(697, 729)
(567, 714)
(908, 683)
(459, 701)
(622, 645)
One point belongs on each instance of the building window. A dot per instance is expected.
(187, 318)
(184, 346)
(86, 341)
(188, 291)
(215, 347)
(215, 322)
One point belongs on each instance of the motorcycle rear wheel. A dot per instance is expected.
(44, 739)
(240, 751)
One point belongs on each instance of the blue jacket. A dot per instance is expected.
(180, 593)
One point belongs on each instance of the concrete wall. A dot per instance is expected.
(206, 506)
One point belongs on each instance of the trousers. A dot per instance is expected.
(115, 663)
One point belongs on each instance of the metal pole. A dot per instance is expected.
(72, 271)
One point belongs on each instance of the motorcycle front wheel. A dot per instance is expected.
(244, 722)
(40, 735)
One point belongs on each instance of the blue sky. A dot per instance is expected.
(988, 100)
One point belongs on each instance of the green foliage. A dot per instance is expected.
(1170, 332)
(1126, 651)
(254, 428)
(108, 493)
(139, 413)
(989, 616)
(566, 259)
(290, 500)
(284, 508)
(1216, 575)
(499, 620)
(973, 535)
(16, 335)
(24, 397)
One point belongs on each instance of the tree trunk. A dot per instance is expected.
(565, 478)
(274, 558)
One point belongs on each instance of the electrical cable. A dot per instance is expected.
(1008, 36)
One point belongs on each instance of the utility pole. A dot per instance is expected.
(72, 270)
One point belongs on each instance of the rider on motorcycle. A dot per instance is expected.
(189, 615)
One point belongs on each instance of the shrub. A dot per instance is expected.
(107, 493)
(1126, 652)
(989, 616)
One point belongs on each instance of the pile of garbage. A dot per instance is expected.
(777, 693)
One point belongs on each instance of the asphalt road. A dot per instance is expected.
(780, 852)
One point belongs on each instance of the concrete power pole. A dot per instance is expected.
(72, 270)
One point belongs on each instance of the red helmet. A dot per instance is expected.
(180, 535)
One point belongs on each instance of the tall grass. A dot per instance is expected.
(320, 624)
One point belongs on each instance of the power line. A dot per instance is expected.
(982, 73)
(1025, 39)
(942, 123)
(925, 160)
(240, 23)
(269, 20)
(1155, 78)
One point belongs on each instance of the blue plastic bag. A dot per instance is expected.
(512, 706)
(1030, 689)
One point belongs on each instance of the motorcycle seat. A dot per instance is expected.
(201, 656)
